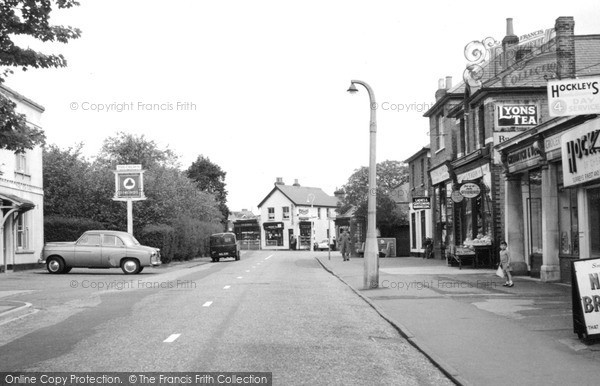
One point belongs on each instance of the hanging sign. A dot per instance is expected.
(456, 196)
(421, 203)
(586, 297)
(470, 190)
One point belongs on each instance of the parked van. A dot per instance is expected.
(224, 245)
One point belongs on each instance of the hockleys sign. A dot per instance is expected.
(574, 97)
(580, 148)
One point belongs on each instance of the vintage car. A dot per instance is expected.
(224, 245)
(100, 249)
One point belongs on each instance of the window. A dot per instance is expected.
(568, 223)
(111, 241)
(22, 232)
(89, 240)
(463, 138)
(413, 223)
(440, 133)
(21, 163)
(271, 213)
(535, 211)
(286, 212)
(422, 171)
(319, 213)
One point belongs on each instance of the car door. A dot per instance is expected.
(88, 251)
(113, 250)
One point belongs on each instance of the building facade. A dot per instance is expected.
(419, 199)
(552, 182)
(21, 196)
(296, 217)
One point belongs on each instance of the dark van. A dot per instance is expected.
(224, 245)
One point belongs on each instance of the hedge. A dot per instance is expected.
(58, 228)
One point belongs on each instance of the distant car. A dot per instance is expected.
(100, 249)
(224, 245)
(323, 246)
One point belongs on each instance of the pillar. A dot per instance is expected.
(550, 270)
(515, 232)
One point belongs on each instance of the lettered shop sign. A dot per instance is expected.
(580, 149)
(587, 274)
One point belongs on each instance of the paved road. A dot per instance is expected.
(271, 311)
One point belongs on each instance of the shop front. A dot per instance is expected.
(273, 234)
(442, 210)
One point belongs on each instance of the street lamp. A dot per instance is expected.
(371, 257)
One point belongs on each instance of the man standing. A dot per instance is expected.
(344, 243)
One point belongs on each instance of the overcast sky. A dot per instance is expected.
(261, 85)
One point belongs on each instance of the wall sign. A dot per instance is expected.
(580, 149)
(516, 115)
(439, 174)
(421, 203)
(574, 97)
(586, 297)
(470, 190)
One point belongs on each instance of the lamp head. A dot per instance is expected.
(352, 89)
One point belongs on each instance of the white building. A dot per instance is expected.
(294, 216)
(21, 196)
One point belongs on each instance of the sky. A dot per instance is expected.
(259, 87)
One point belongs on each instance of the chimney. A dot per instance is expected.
(448, 82)
(565, 47)
(509, 43)
(279, 181)
(296, 182)
(441, 91)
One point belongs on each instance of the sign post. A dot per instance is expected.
(585, 281)
(129, 187)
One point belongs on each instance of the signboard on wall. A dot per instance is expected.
(586, 297)
(421, 203)
(470, 190)
(580, 150)
(519, 115)
(574, 97)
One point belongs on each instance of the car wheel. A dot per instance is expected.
(141, 269)
(55, 265)
(67, 269)
(237, 256)
(130, 266)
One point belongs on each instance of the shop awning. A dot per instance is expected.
(10, 201)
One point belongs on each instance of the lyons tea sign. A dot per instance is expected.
(516, 115)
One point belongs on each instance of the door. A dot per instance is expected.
(88, 252)
(113, 249)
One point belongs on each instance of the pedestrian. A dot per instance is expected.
(344, 243)
(505, 263)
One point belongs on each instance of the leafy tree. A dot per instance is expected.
(210, 178)
(32, 18)
(390, 174)
(127, 148)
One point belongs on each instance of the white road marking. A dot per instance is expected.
(239, 277)
(207, 304)
(171, 338)
(268, 257)
(247, 270)
(227, 287)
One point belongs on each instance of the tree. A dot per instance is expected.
(127, 148)
(27, 17)
(210, 178)
(390, 174)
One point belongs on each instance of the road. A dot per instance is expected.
(276, 312)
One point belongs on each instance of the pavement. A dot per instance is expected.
(474, 329)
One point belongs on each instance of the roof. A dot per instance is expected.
(21, 98)
(21, 204)
(587, 55)
(425, 149)
(243, 214)
(301, 196)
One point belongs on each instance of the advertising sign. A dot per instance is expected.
(456, 196)
(129, 183)
(586, 297)
(580, 149)
(470, 190)
(574, 97)
(516, 115)
(421, 203)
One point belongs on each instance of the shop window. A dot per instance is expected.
(594, 213)
(274, 237)
(271, 212)
(286, 212)
(423, 226)
(568, 222)
(22, 232)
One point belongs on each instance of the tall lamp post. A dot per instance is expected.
(371, 258)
